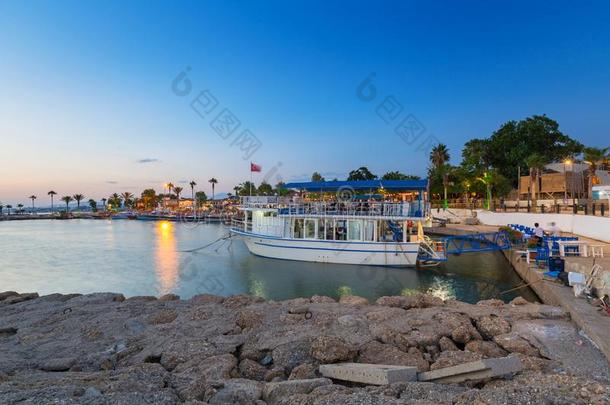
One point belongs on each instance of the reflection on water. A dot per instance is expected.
(167, 256)
(144, 258)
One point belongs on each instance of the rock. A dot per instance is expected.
(410, 301)
(266, 360)
(514, 343)
(447, 344)
(303, 372)
(91, 393)
(275, 374)
(15, 299)
(519, 301)
(236, 301)
(486, 349)
(329, 349)
(492, 303)
(298, 309)
(533, 363)
(453, 358)
(248, 318)
(163, 316)
(169, 297)
(321, 299)
(492, 325)
(465, 333)
(353, 300)
(4, 295)
(58, 364)
(252, 370)
(350, 321)
(141, 298)
(235, 391)
(10, 331)
(276, 391)
(379, 353)
(207, 299)
(291, 354)
(191, 379)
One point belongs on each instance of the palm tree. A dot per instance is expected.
(93, 205)
(127, 199)
(439, 155)
(1, 208)
(19, 208)
(115, 200)
(487, 179)
(193, 184)
(67, 199)
(32, 197)
(536, 163)
(178, 190)
(51, 193)
(170, 187)
(8, 209)
(213, 182)
(592, 157)
(78, 198)
(104, 203)
(237, 190)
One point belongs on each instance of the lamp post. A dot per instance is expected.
(565, 180)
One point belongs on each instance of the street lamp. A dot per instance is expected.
(565, 180)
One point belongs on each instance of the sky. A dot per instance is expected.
(92, 100)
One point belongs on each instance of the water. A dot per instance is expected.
(145, 258)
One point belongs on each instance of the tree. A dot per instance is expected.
(104, 203)
(1, 208)
(178, 190)
(19, 208)
(115, 201)
(8, 209)
(193, 184)
(535, 163)
(170, 188)
(593, 156)
(78, 198)
(51, 193)
(487, 180)
(247, 188)
(93, 205)
(396, 175)
(200, 197)
(67, 199)
(317, 177)
(265, 189)
(32, 197)
(362, 173)
(439, 155)
(127, 199)
(237, 190)
(149, 198)
(213, 182)
(281, 190)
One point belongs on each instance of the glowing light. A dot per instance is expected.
(164, 225)
(166, 257)
(567, 162)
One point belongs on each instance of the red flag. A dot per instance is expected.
(255, 168)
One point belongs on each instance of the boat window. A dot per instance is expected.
(321, 230)
(369, 231)
(298, 229)
(270, 214)
(330, 229)
(384, 233)
(340, 230)
(310, 228)
(354, 229)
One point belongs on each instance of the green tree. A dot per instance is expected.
(213, 182)
(396, 175)
(281, 190)
(265, 189)
(317, 177)
(248, 188)
(149, 198)
(593, 156)
(33, 197)
(193, 184)
(439, 155)
(362, 173)
(1, 208)
(127, 199)
(8, 209)
(535, 163)
(178, 190)
(67, 199)
(93, 205)
(115, 201)
(200, 198)
(78, 198)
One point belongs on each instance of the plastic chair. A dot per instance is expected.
(542, 256)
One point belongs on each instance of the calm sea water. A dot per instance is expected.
(148, 258)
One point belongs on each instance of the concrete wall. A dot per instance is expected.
(585, 225)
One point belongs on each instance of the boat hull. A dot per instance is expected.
(340, 252)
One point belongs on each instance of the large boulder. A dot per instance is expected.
(353, 300)
(487, 349)
(330, 349)
(492, 325)
(379, 353)
(252, 370)
(514, 343)
(275, 391)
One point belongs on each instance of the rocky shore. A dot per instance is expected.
(102, 348)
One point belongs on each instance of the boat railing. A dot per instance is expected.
(241, 225)
(351, 208)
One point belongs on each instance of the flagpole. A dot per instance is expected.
(250, 179)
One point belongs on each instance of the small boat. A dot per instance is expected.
(343, 230)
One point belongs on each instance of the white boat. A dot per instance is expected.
(346, 231)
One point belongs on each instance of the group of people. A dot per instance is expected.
(552, 230)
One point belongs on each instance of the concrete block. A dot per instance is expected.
(475, 370)
(376, 374)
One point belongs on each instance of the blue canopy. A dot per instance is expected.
(390, 185)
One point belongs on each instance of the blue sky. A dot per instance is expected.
(87, 103)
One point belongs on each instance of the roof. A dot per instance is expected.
(330, 186)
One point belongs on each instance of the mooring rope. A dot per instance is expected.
(222, 238)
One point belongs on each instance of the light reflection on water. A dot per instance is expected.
(146, 258)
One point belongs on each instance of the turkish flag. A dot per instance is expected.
(255, 168)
